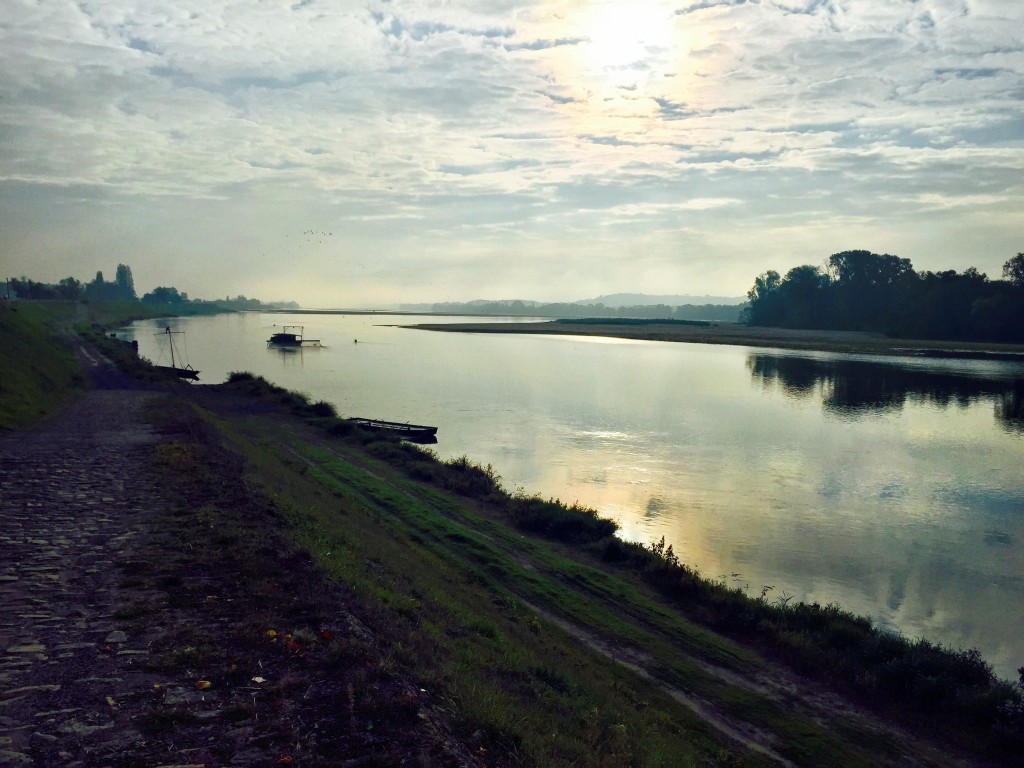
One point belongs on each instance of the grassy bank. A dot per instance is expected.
(37, 353)
(550, 560)
(39, 369)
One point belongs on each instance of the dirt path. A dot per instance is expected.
(142, 624)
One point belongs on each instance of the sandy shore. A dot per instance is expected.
(742, 335)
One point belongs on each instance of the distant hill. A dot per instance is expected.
(611, 301)
(645, 300)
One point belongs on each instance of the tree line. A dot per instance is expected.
(121, 288)
(864, 291)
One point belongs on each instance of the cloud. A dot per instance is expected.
(491, 129)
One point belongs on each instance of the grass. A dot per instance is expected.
(39, 370)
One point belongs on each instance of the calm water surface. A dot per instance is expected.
(894, 488)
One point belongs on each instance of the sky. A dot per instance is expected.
(359, 154)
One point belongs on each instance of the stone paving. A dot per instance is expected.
(71, 504)
(116, 647)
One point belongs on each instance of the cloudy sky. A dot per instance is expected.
(357, 153)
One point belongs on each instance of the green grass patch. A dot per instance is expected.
(39, 370)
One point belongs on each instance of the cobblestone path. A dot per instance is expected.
(67, 511)
(137, 619)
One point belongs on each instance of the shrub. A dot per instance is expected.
(554, 520)
(468, 479)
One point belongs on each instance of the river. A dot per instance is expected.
(893, 487)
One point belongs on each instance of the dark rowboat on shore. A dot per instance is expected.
(187, 372)
(417, 433)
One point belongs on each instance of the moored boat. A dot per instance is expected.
(182, 372)
(417, 433)
(291, 336)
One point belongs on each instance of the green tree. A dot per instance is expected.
(99, 289)
(125, 283)
(803, 297)
(164, 295)
(765, 301)
(1013, 270)
(69, 288)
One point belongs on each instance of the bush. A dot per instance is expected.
(554, 520)
(468, 479)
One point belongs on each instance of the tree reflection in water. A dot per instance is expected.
(855, 388)
(1010, 407)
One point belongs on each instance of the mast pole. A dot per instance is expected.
(170, 343)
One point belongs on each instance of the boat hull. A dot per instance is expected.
(181, 373)
(416, 433)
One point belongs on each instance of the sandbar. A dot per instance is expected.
(743, 335)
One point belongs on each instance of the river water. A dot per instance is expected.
(892, 487)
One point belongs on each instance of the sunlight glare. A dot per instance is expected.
(627, 36)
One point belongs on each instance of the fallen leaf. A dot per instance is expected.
(326, 634)
(202, 685)
(259, 679)
(271, 633)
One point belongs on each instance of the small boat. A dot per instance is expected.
(415, 433)
(291, 336)
(182, 372)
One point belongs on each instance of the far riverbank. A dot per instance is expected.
(743, 335)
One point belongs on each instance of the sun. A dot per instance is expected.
(628, 37)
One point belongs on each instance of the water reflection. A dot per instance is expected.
(854, 388)
(1010, 407)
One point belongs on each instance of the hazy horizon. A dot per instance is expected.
(393, 152)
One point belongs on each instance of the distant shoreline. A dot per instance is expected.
(748, 336)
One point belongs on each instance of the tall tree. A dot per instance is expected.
(765, 302)
(125, 283)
